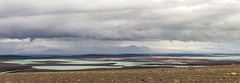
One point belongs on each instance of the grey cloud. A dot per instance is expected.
(184, 20)
(25, 48)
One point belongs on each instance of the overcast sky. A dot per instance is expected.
(85, 26)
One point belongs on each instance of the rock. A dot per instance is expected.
(234, 73)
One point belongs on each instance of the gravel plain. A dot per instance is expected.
(211, 74)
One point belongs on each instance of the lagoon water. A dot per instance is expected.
(68, 62)
(31, 61)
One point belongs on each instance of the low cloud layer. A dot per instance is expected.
(183, 20)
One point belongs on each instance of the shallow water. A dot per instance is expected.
(176, 66)
(222, 57)
(73, 67)
(10, 71)
(31, 61)
(118, 64)
(66, 65)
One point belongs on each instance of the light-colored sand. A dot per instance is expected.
(214, 74)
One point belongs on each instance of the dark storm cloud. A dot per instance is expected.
(184, 20)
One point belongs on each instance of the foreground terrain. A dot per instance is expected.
(212, 74)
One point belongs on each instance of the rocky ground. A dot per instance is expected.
(212, 74)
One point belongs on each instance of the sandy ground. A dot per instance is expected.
(213, 74)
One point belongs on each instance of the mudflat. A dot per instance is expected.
(210, 74)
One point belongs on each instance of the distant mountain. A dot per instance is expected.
(132, 49)
(52, 51)
(135, 49)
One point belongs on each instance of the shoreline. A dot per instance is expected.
(16, 68)
(220, 73)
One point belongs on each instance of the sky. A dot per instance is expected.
(108, 26)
